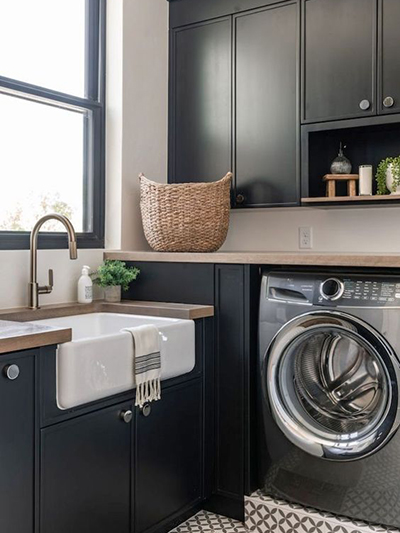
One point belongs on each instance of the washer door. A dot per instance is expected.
(332, 385)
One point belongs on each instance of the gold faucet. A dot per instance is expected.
(34, 288)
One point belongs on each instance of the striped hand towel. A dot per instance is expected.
(147, 363)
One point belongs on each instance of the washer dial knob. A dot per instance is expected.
(331, 289)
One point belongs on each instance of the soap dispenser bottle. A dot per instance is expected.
(85, 287)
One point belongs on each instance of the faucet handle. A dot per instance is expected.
(51, 278)
(47, 289)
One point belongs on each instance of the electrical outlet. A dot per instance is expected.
(305, 238)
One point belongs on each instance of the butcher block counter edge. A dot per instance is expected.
(264, 258)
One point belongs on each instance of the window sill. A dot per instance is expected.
(48, 241)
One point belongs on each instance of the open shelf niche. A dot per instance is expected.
(367, 142)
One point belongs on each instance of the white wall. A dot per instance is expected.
(334, 229)
(137, 81)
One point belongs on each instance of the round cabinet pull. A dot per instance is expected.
(240, 199)
(11, 372)
(388, 101)
(126, 416)
(365, 104)
(146, 409)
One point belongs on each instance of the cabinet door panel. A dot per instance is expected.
(200, 110)
(266, 106)
(85, 474)
(389, 55)
(17, 443)
(168, 456)
(339, 58)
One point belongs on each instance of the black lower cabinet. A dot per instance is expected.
(17, 459)
(230, 345)
(168, 473)
(86, 469)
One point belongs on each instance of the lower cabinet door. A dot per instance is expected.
(17, 415)
(169, 469)
(86, 473)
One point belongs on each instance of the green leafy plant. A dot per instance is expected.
(112, 273)
(381, 174)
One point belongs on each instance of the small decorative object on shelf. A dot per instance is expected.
(341, 165)
(331, 180)
(113, 276)
(388, 176)
(365, 180)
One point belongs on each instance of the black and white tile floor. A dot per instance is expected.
(205, 521)
(267, 515)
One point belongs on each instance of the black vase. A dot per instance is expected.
(341, 165)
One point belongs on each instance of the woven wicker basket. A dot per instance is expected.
(185, 217)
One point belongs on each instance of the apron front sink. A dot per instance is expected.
(98, 361)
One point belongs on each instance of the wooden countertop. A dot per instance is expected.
(17, 333)
(16, 336)
(131, 307)
(265, 258)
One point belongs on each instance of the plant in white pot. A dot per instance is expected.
(388, 176)
(113, 276)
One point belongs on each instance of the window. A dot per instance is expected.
(52, 120)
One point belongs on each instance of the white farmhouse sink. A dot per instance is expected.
(98, 362)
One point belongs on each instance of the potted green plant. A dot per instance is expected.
(113, 276)
(388, 176)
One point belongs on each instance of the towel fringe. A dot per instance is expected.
(148, 391)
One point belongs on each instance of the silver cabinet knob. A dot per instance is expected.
(11, 372)
(388, 101)
(240, 198)
(365, 104)
(146, 409)
(127, 416)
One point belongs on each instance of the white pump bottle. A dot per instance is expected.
(85, 287)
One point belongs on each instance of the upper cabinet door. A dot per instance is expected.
(389, 93)
(266, 94)
(200, 102)
(339, 47)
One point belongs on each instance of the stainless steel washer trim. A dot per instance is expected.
(300, 435)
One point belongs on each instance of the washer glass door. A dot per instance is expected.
(332, 384)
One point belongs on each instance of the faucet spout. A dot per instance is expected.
(34, 288)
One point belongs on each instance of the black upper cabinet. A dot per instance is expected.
(339, 59)
(250, 59)
(200, 102)
(85, 474)
(266, 106)
(389, 57)
(17, 444)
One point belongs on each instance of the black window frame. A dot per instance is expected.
(94, 135)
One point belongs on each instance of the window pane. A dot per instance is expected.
(43, 42)
(41, 164)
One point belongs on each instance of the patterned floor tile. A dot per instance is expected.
(264, 514)
(205, 521)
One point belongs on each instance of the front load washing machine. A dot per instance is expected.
(329, 379)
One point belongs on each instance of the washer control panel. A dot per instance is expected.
(335, 289)
(371, 291)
